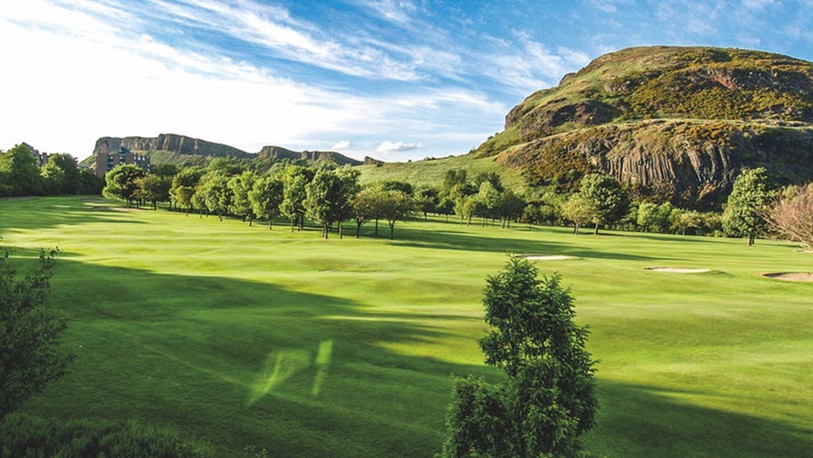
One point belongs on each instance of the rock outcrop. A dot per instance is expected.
(279, 153)
(173, 143)
(675, 124)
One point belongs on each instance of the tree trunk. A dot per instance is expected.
(376, 227)
(575, 228)
(595, 232)
(392, 229)
(358, 229)
(269, 223)
(250, 220)
(341, 233)
(751, 239)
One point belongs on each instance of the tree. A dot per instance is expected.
(295, 179)
(652, 216)
(510, 208)
(546, 402)
(489, 197)
(240, 187)
(266, 197)
(397, 205)
(53, 179)
(213, 192)
(30, 356)
(746, 205)
(121, 183)
(607, 197)
(21, 170)
(579, 210)
(329, 197)
(367, 205)
(153, 188)
(792, 215)
(70, 172)
(183, 186)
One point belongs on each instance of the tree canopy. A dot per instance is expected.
(744, 210)
(546, 402)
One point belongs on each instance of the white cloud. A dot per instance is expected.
(393, 147)
(758, 4)
(341, 146)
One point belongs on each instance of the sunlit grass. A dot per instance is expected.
(270, 339)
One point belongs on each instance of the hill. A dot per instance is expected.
(183, 151)
(674, 123)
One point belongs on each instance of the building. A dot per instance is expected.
(107, 161)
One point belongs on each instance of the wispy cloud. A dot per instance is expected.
(341, 145)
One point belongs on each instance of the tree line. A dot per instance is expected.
(331, 197)
(21, 175)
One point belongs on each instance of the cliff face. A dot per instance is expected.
(676, 124)
(179, 144)
(278, 153)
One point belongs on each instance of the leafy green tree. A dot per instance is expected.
(122, 183)
(396, 206)
(651, 216)
(510, 208)
(21, 170)
(240, 187)
(607, 197)
(546, 402)
(744, 211)
(295, 180)
(427, 200)
(329, 197)
(153, 189)
(491, 177)
(467, 207)
(70, 169)
(183, 186)
(30, 331)
(53, 179)
(266, 197)
(89, 183)
(579, 211)
(490, 199)
(214, 193)
(367, 205)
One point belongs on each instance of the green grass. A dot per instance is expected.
(431, 172)
(247, 338)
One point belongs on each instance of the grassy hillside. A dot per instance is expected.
(245, 337)
(431, 172)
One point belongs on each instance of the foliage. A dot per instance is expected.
(792, 216)
(153, 188)
(396, 205)
(240, 187)
(547, 401)
(329, 196)
(265, 197)
(21, 171)
(30, 356)
(122, 183)
(653, 217)
(606, 196)
(579, 211)
(295, 180)
(744, 210)
(214, 193)
(25, 435)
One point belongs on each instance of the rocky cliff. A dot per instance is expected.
(279, 153)
(674, 123)
(173, 143)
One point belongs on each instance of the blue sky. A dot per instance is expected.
(391, 79)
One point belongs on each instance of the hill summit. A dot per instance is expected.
(675, 123)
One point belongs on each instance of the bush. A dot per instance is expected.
(28, 436)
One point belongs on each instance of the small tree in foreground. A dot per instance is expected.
(29, 334)
(547, 401)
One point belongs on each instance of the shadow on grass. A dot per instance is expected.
(48, 212)
(239, 363)
(460, 240)
(636, 420)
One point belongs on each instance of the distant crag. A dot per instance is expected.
(279, 153)
(172, 143)
(676, 124)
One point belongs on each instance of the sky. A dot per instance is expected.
(391, 79)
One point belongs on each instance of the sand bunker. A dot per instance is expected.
(790, 276)
(554, 257)
(677, 270)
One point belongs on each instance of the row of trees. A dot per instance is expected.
(331, 197)
(21, 175)
(327, 197)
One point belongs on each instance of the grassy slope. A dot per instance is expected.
(215, 329)
(431, 172)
